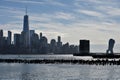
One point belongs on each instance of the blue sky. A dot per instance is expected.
(96, 20)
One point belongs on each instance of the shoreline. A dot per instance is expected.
(62, 61)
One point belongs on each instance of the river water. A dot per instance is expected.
(16, 71)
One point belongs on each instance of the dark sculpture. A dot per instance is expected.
(110, 46)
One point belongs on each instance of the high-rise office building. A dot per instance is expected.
(17, 40)
(1, 38)
(4, 42)
(66, 48)
(26, 32)
(43, 45)
(59, 43)
(32, 32)
(26, 22)
(59, 39)
(40, 35)
(9, 37)
(1, 33)
(25, 39)
(53, 46)
(84, 46)
(34, 41)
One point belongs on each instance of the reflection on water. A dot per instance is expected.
(42, 57)
(17, 71)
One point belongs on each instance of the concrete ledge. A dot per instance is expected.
(99, 55)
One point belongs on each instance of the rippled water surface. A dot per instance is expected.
(15, 71)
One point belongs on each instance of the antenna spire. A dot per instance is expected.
(26, 10)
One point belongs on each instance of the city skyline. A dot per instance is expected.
(88, 19)
(29, 42)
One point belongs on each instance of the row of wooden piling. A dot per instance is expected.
(61, 61)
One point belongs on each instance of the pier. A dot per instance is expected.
(99, 55)
(63, 61)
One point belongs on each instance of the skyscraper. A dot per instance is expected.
(1, 33)
(40, 35)
(17, 40)
(84, 46)
(59, 39)
(43, 45)
(59, 43)
(1, 38)
(26, 22)
(9, 37)
(53, 46)
(26, 33)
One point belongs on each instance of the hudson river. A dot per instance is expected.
(16, 71)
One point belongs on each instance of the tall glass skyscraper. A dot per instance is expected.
(9, 37)
(26, 22)
(26, 31)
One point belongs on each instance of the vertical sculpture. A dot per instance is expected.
(110, 46)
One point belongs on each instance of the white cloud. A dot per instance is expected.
(50, 2)
(111, 11)
(91, 13)
(12, 11)
(55, 2)
(107, 8)
(62, 15)
(10, 26)
(26, 1)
